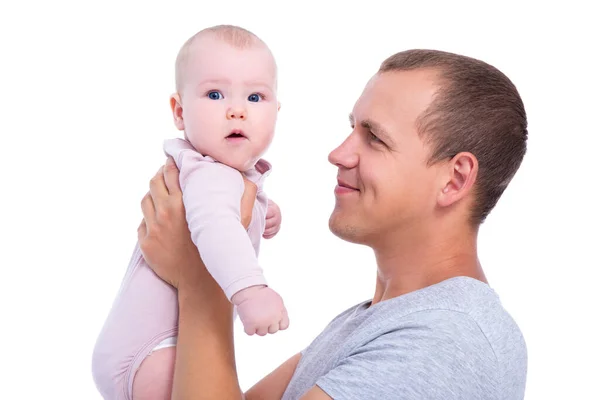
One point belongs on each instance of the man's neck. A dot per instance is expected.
(413, 261)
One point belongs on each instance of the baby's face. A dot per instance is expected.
(229, 102)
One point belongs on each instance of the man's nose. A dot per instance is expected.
(236, 112)
(345, 155)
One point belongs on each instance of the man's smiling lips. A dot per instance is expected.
(344, 188)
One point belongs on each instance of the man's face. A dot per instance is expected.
(384, 184)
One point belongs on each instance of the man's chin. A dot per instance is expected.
(345, 230)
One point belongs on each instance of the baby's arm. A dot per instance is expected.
(211, 195)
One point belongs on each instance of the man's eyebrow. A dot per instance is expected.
(371, 125)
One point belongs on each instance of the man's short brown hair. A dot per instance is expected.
(477, 109)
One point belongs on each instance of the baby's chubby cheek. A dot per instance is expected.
(199, 143)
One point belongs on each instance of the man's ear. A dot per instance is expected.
(177, 110)
(458, 179)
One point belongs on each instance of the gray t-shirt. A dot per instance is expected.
(452, 340)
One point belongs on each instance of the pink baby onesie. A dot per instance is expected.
(145, 311)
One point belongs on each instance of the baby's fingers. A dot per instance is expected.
(250, 329)
(285, 321)
(261, 331)
(273, 328)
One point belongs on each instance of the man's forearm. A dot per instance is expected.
(205, 362)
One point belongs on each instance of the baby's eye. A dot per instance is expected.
(214, 95)
(254, 97)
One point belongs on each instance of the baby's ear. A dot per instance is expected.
(278, 105)
(177, 110)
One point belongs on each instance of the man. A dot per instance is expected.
(436, 138)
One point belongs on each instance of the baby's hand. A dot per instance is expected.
(261, 310)
(273, 220)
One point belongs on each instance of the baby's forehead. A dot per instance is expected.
(211, 43)
(218, 58)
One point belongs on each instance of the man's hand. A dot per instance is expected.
(205, 334)
(163, 235)
(273, 220)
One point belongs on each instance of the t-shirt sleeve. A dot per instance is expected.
(437, 354)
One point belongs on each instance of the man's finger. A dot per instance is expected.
(249, 189)
(171, 177)
(247, 202)
(148, 209)
(158, 188)
(141, 231)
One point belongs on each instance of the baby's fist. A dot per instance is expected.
(261, 310)
(273, 220)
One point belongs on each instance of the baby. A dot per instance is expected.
(226, 104)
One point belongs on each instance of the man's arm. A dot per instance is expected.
(205, 358)
(316, 393)
(272, 386)
(205, 362)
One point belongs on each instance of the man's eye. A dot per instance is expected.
(374, 138)
(214, 95)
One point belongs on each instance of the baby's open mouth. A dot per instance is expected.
(236, 134)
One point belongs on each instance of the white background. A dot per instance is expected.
(84, 110)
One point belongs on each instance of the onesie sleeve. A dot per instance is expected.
(211, 195)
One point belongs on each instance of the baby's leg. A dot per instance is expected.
(154, 379)
(143, 315)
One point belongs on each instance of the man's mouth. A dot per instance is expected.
(345, 185)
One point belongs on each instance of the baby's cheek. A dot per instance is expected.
(204, 116)
(203, 133)
(266, 130)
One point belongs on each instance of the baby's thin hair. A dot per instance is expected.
(231, 34)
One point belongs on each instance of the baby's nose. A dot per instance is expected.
(236, 113)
